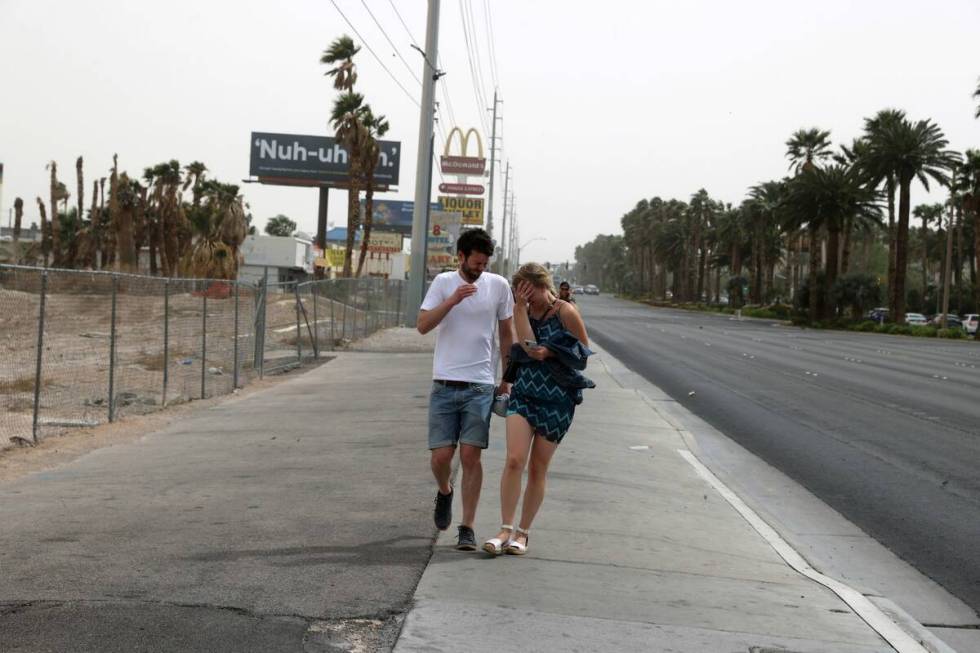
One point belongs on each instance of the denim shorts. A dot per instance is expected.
(460, 415)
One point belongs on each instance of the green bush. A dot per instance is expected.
(954, 333)
(924, 331)
(901, 330)
(866, 326)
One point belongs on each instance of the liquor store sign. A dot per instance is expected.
(470, 208)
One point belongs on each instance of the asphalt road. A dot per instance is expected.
(884, 429)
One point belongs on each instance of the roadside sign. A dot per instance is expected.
(462, 189)
(463, 164)
(471, 208)
(441, 243)
(384, 242)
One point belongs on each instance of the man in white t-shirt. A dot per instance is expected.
(466, 305)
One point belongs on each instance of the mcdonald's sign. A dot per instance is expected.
(462, 164)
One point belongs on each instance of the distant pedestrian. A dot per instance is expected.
(565, 292)
(547, 385)
(466, 305)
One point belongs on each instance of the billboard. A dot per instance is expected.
(471, 208)
(393, 215)
(441, 244)
(384, 243)
(463, 164)
(314, 158)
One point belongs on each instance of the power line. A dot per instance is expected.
(477, 91)
(476, 50)
(381, 63)
(393, 46)
(493, 48)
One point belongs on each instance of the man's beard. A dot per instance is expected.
(469, 274)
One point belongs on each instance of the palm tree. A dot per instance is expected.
(826, 198)
(18, 216)
(45, 233)
(193, 175)
(911, 151)
(346, 120)
(927, 213)
(878, 170)
(375, 127)
(765, 217)
(340, 55)
(55, 195)
(127, 193)
(220, 227)
(976, 94)
(806, 147)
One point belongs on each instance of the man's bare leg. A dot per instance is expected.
(469, 457)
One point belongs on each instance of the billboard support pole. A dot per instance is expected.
(502, 265)
(423, 182)
(321, 228)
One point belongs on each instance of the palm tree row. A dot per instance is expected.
(826, 218)
(197, 238)
(357, 129)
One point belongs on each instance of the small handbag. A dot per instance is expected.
(500, 404)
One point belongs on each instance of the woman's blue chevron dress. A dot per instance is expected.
(536, 396)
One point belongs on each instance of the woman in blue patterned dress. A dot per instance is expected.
(542, 399)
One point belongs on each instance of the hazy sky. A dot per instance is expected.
(604, 103)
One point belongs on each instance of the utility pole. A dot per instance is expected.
(423, 177)
(503, 229)
(493, 150)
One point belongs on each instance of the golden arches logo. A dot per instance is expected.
(464, 141)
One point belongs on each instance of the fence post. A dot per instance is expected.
(40, 350)
(299, 329)
(333, 332)
(262, 298)
(398, 311)
(166, 339)
(234, 374)
(204, 341)
(316, 326)
(343, 324)
(112, 351)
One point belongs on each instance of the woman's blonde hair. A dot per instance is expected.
(536, 275)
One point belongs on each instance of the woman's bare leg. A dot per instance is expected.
(519, 437)
(541, 453)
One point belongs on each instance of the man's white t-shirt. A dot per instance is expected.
(464, 338)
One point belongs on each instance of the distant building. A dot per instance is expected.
(286, 258)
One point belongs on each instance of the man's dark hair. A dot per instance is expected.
(475, 240)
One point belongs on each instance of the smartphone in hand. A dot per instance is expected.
(530, 344)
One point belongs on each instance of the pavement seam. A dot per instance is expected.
(897, 638)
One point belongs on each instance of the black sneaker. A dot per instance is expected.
(466, 540)
(443, 514)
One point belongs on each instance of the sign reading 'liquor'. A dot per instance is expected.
(314, 158)
(471, 208)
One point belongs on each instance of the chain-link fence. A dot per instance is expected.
(83, 348)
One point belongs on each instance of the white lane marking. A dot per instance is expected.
(864, 608)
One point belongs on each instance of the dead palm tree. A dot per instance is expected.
(45, 233)
(375, 127)
(18, 216)
(55, 228)
(220, 229)
(81, 188)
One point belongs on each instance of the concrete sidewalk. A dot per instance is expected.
(633, 550)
